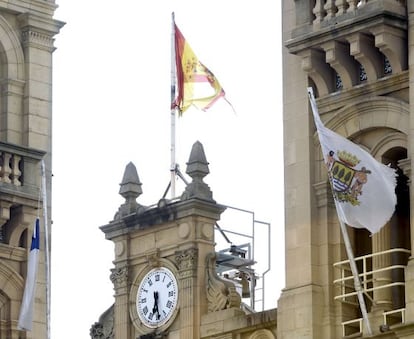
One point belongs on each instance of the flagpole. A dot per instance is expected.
(47, 259)
(348, 247)
(354, 270)
(173, 108)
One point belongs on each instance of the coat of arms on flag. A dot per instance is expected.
(346, 180)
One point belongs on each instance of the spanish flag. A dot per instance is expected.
(195, 84)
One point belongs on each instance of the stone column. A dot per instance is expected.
(119, 277)
(187, 265)
(381, 242)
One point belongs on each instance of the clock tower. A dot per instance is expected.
(164, 275)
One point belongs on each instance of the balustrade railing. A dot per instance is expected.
(10, 172)
(327, 9)
(19, 167)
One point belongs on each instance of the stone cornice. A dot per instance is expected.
(162, 215)
(345, 28)
(382, 86)
(38, 31)
(40, 7)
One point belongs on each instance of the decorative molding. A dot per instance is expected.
(221, 294)
(39, 40)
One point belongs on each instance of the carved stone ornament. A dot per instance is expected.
(187, 260)
(104, 328)
(153, 258)
(221, 294)
(119, 276)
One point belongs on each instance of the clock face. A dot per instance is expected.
(157, 297)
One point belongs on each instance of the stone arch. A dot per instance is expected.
(368, 113)
(11, 295)
(389, 141)
(262, 334)
(11, 52)
(12, 82)
(353, 120)
(11, 282)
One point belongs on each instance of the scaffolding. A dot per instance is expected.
(237, 260)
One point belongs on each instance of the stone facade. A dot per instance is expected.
(176, 234)
(356, 55)
(27, 31)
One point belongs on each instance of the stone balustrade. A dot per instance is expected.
(10, 168)
(345, 43)
(327, 9)
(20, 178)
(16, 161)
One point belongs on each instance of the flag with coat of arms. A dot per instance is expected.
(363, 188)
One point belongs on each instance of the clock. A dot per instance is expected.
(157, 297)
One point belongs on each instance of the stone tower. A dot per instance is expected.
(357, 56)
(164, 273)
(27, 31)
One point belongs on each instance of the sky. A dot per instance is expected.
(111, 106)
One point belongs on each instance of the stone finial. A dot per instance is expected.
(130, 189)
(197, 169)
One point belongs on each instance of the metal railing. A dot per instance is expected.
(366, 276)
(370, 283)
(357, 323)
(400, 313)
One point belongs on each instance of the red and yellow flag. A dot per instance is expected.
(197, 86)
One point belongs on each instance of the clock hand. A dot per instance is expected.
(155, 308)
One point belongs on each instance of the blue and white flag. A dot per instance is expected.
(26, 309)
(363, 188)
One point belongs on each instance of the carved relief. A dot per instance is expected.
(104, 328)
(187, 259)
(153, 258)
(119, 276)
(187, 262)
(221, 294)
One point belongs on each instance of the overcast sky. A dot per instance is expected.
(111, 104)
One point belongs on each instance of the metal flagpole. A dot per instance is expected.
(354, 270)
(47, 260)
(173, 108)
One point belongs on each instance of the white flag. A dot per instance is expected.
(363, 188)
(26, 309)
